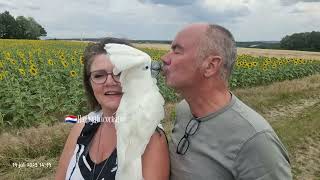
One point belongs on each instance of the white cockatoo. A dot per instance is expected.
(140, 110)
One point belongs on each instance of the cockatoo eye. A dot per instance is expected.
(146, 67)
(118, 74)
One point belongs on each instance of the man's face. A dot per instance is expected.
(180, 64)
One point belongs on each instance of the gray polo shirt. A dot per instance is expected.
(233, 143)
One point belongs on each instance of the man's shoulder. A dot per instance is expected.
(182, 104)
(246, 114)
(182, 107)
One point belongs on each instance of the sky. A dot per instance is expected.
(248, 20)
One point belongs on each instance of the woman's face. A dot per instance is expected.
(109, 92)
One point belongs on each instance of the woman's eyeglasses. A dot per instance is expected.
(184, 143)
(100, 77)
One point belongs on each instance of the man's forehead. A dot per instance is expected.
(186, 37)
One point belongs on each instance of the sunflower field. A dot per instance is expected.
(41, 81)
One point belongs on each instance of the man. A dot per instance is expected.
(215, 135)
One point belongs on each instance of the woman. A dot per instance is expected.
(90, 150)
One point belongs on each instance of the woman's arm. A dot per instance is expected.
(68, 151)
(155, 159)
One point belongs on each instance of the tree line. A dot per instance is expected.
(19, 27)
(306, 41)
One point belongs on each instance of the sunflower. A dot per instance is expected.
(22, 72)
(62, 57)
(32, 66)
(73, 60)
(33, 71)
(301, 61)
(81, 60)
(13, 61)
(65, 64)
(31, 61)
(50, 62)
(24, 61)
(7, 55)
(73, 73)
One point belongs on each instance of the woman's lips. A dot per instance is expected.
(113, 93)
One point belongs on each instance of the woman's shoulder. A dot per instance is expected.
(155, 159)
(88, 125)
(158, 138)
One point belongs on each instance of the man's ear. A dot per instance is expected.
(211, 65)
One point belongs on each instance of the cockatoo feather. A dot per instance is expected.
(140, 110)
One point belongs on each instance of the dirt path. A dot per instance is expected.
(290, 110)
(307, 160)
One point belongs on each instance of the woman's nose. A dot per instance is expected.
(110, 80)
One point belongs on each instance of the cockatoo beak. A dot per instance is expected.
(124, 57)
(156, 67)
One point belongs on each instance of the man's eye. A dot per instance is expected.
(176, 52)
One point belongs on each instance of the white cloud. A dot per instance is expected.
(226, 4)
(269, 20)
(161, 19)
(290, 2)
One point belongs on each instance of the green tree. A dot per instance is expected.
(309, 41)
(20, 28)
(8, 26)
(36, 30)
(315, 40)
(23, 27)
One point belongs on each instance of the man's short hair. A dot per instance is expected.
(219, 41)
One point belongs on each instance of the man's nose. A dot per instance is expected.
(166, 59)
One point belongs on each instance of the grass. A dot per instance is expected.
(31, 147)
(301, 136)
(280, 94)
(298, 130)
